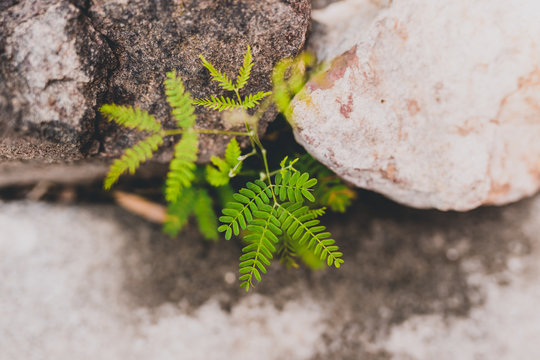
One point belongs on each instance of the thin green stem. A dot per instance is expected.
(250, 134)
(254, 137)
(205, 131)
(241, 159)
(272, 173)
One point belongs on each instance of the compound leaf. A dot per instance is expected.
(222, 79)
(218, 103)
(132, 158)
(182, 166)
(130, 117)
(179, 100)
(205, 215)
(253, 100)
(178, 212)
(245, 70)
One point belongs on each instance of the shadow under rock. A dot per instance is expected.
(399, 262)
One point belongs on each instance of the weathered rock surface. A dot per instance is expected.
(93, 282)
(60, 60)
(434, 103)
(53, 71)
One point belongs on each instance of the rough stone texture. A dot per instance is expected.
(95, 282)
(151, 38)
(53, 71)
(60, 60)
(434, 104)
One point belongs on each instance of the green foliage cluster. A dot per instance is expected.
(276, 214)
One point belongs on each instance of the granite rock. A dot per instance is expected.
(61, 60)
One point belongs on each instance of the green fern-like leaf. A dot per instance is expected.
(290, 252)
(132, 158)
(227, 167)
(222, 79)
(316, 213)
(265, 229)
(331, 191)
(205, 215)
(239, 212)
(130, 117)
(253, 100)
(294, 219)
(218, 103)
(287, 252)
(337, 196)
(288, 78)
(289, 185)
(281, 93)
(245, 70)
(232, 154)
(179, 100)
(294, 186)
(182, 166)
(178, 212)
(215, 177)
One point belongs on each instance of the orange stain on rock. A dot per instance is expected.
(413, 107)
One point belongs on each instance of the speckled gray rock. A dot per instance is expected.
(431, 103)
(60, 60)
(151, 38)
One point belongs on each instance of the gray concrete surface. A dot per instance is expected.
(94, 282)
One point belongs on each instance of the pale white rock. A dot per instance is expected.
(434, 104)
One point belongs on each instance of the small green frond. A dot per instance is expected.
(218, 103)
(182, 166)
(282, 96)
(178, 212)
(316, 213)
(294, 186)
(264, 232)
(254, 99)
(245, 70)
(238, 213)
(220, 163)
(218, 76)
(294, 219)
(287, 252)
(331, 191)
(232, 153)
(205, 215)
(288, 78)
(215, 177)
(227, 167)
(179, 100)
(338, 197)
(130, 117)
(132, 159)
(290, 252)
(298, 76)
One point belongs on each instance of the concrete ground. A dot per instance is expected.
(95, 282)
